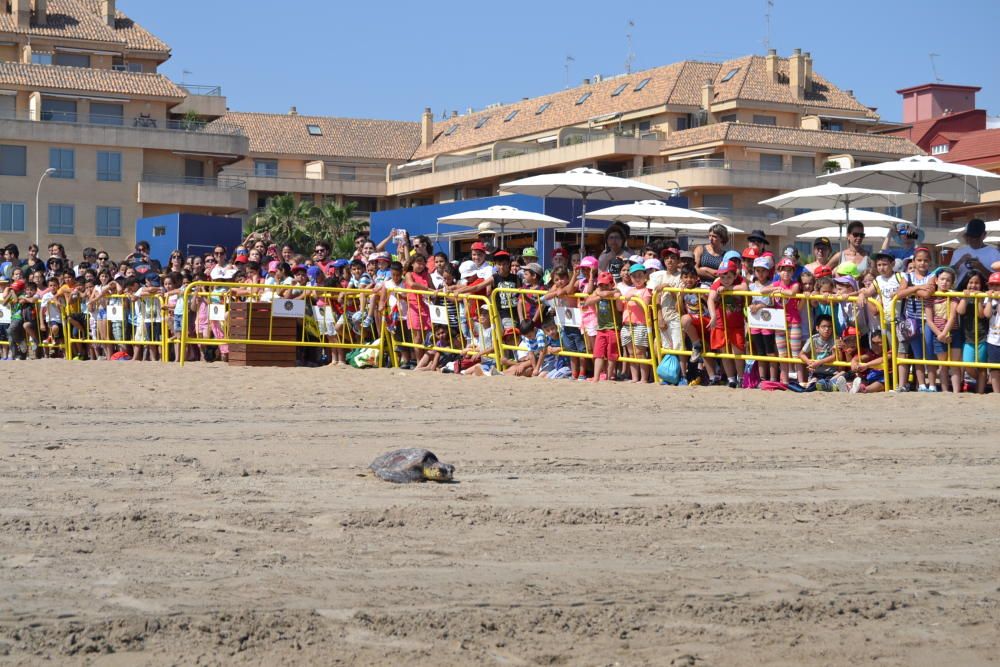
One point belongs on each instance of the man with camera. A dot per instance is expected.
(908, 237)
(975, 255)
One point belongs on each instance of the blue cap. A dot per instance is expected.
(732, 255)
(314, 273)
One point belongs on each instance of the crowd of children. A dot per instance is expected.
(504, 314)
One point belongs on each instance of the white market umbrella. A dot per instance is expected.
(650, 211)
(991, 226)
(954, 243)
(870, 230)
(832, 195)
(582, 184)
(505, 218)
(922, 175)
(839, 216)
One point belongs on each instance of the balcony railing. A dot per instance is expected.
(753, 212)
(141, 122)
(367, 177)
(209, 91)
(714, 163)
(222, 182)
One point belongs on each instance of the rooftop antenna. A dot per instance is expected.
(569, 59)
(630, 56)
(932, 56)
(767, 22)
(184, 75)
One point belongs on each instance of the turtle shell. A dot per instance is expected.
(402, 466)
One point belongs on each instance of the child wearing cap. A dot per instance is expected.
(991, 310)
(762, 341)
(727, 329)
(587, 272)
(788, 341)
(561, 296)
(530, 304)
(635, 324)
(944, 337)
(606, 350)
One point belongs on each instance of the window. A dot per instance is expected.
(109, 221)
(72, 59)
(41, 58)
(939, 149)
(107, 114)
(482, 121)
(803, 164)
(11, 217)
(764, 120)
(771, 162)
(347, 172)
(618, 91)
(542, 108)
(60, 219)
(109, 166)
(832, 126)
(13, 160)
(450, 131)
(511, 116)
(728, 118)
(315, 130)
(895, 211)
(583, 98)
(266, 168)
(642, 84)
(62, 111)
(730, 74)
(718, 202)
(682, 123)
(62, 159)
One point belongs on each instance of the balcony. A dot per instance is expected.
(721, 173)
(205, 101)
(137, 132)
(228, 194)
(571, 147)
(360, 183)
(742, 217)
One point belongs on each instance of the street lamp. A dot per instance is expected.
(38, 213)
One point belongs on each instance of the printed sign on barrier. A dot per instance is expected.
(4, 314)
(439, 315)
(767, 318)
(217, 312)
(569, 317)
(116, 311)
(288, 308)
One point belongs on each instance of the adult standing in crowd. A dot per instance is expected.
(975, 255)
(615, 253)
(708, 257)
(854, 252)
(822, 250)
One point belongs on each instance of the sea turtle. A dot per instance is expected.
(411, 465)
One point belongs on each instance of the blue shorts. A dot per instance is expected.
(572, 340)
(935, 347)
(974, 354)
(874, 376)
(993, 354)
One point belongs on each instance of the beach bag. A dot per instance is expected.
(768, 385)
(907, 328)
(669, 370)
(751, 376)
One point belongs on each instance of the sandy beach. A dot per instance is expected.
(156, 515)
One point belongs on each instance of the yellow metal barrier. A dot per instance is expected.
(914, 341)
(325, 317)
(121, 322)
(733, 322)
(441, 323)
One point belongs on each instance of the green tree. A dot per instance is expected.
(337, 226)
(288, 222)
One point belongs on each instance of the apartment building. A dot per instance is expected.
(88, 124)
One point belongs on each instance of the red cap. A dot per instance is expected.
(786, 262)
(501, 254)
(241, 259)
(299, 267)
(751, 253)
(670, 251)
(725, 267)
(605, 278)
(18, 286)
(560, 251)
(823, 271)
(849, 332)
(479, 245)
(994, 278)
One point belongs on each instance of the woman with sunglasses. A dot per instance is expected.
(175, 264)
(854, 252)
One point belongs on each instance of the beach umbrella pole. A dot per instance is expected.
(920, 202)
(583, 225)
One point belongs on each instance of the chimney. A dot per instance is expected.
(21, 9)
(797, 74)
(772, 65)
(292, 111)
(41, 12)
(426, 128)
(107, 9)
(454, 113)
(586, 82)
(809, 72)
(707, 95)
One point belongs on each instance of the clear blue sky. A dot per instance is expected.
(391, 59)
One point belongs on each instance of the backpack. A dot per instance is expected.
(751, 375)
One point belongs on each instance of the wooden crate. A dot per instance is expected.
(253, 321)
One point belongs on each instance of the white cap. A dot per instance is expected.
(653, 264)
(467, 269)
(765, 262)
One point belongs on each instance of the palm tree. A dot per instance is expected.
(337, 226)
(286, 221)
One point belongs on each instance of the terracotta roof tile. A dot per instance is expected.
(679, 84)
(79, 19)
(975, 147)
(54, 77)
(287, 134)
(770, 135)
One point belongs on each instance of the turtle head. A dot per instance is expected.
(436, 471)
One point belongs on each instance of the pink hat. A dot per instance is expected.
(589, 262)
(273, 265)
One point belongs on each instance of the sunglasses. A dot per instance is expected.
(219, 252)
(858, 235)
(102, 259)
(210, 260)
